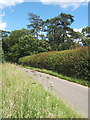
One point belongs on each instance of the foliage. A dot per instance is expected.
(11, 45)
(86, 36)
(58, 27)
(23, 97)
(73, 63)
(4, 34)
(56, 30)
(53, 34)
(44, 46)
(35, 24)
(21, 43)
(28, 45)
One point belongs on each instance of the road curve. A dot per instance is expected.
(73, 94)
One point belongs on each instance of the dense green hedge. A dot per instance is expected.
(73, 63)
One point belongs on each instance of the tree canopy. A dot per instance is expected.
(21, 43)
(86, 36)
(42, 36)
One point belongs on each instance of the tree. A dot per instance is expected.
(28, 45)
(74, 39)
(21, 43)
(58, 29)
(4, 34)
(44, 46)
(10, 44)
(86, 36)
(35, 24)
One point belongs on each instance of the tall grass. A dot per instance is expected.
(0, 89)
(23, 97)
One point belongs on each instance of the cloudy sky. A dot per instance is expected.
(14, 13)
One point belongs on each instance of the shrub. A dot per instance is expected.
(73, 63)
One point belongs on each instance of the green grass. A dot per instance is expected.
(23, 97)
(75, 80)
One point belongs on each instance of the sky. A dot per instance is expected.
(14, 13)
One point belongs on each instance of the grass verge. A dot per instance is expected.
(23, 97)
(75, 80)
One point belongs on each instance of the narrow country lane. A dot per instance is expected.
(73, 94)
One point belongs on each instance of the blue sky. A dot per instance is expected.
(16, 17)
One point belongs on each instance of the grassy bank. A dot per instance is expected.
(23, 97)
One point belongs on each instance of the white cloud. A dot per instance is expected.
(3, 25)
(62, 3)
(66, 3)
(77, 30)
(2, 14)
(5, 3)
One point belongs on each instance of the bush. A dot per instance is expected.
(73, 63)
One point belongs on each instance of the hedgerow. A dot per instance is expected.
(73, 63)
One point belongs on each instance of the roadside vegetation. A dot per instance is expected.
(23, 97)
(71, 79)
(70, 63)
